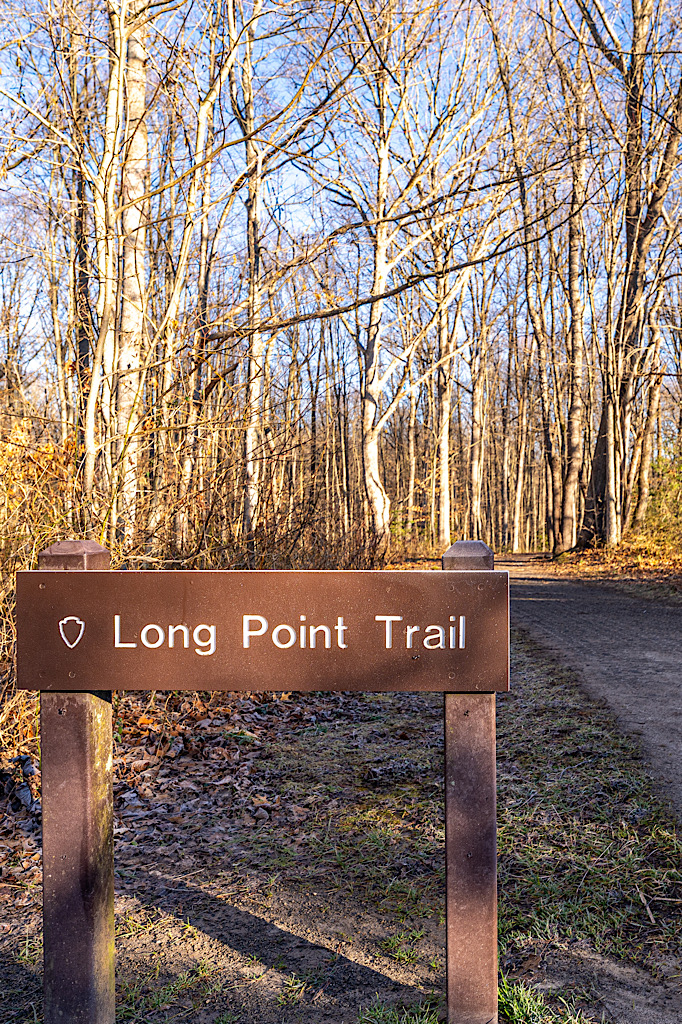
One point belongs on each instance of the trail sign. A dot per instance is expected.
(84, 632)
(283, 630)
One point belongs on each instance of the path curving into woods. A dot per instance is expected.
(627, 649)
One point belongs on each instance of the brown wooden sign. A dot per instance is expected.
(265, 630)
(83, 628)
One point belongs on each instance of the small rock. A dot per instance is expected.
(262, 814)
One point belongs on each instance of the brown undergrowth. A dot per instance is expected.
(652, 567)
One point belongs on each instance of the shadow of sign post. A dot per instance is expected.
(84, 632)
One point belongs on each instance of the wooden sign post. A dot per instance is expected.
(76, 754)
(470, 836)
(81, 634)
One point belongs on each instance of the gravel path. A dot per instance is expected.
(627, 649)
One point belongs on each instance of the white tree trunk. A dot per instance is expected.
(133, 187)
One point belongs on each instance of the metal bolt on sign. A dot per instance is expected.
(232, 630)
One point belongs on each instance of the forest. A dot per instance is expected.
(332, 284)
(300, 282)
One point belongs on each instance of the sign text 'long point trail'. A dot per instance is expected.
(267, 630)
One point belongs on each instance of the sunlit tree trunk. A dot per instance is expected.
(444, 390)
(132, 326)
(575, 89)
(243, 106)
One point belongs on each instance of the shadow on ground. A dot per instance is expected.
(189, 950)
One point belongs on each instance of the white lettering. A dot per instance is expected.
(210, 643)
(153, 636)
(389, 620)
(292, 636)
(453, 633)
(172, 630)
(304, 636)
(314, 630)
(409, 632)
(462, 632)
(160, 636)
(340, 630)
(435, 638)
(247, 632)
(117, 633)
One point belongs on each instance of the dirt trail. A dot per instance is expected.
(627, 649)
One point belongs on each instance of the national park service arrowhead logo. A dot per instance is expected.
(71, 629)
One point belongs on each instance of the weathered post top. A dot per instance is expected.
(469, 555)
(74, 554)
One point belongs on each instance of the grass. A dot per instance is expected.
(586, 847)
(31, 951)
(382, 1014)
(293, 990)
(402, 946)
(587, 852)
(519, 1003)
(19, 718)
(136, 1000)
